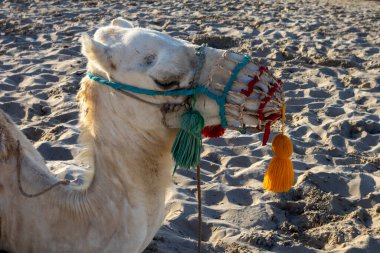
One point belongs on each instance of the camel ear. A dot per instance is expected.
(96, 52)
(122, 23)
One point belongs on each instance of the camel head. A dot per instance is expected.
(152, 60)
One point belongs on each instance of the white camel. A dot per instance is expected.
(120, 207)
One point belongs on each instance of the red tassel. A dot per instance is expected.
(213, 131)
(266, 133)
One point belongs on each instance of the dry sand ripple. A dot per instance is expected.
(328, 54)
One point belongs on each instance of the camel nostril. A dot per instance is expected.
(149, 59)
(166, 84)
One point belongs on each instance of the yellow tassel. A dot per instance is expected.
(280, 176)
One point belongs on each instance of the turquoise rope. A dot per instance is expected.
(198, 89)
(134, 89)
(227, 88)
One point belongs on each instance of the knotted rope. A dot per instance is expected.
(18, 171)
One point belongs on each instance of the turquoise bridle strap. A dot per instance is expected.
(197, 90)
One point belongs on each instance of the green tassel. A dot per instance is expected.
(186, 150)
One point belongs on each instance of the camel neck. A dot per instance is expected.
(128, 157)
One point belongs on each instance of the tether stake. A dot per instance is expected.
(199, 208)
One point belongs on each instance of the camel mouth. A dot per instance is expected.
(166, 85)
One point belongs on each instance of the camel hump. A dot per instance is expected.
(8, 143)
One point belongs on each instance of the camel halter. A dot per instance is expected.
(187, 146)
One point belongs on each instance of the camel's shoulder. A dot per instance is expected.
(8, 143)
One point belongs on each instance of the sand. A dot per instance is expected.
(327, 53)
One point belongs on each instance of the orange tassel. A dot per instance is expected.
(280, 176)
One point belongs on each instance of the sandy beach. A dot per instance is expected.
(326, 52)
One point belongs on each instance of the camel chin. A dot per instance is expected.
(127, 141)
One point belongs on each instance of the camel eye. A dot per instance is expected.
(149, 59)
